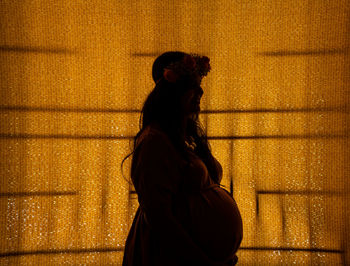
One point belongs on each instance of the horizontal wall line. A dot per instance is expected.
(37, 193)
(104, 250)
(36, 49)
(297, 192)
(65, 110)
(317, 250)
(277, 137)
(59, 251)
(145, 54)
(283, 110)
(21, 108)
(111, 137)
(317, 52)
(286, 193)
(61, 136)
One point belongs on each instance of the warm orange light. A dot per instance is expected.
(74, 76)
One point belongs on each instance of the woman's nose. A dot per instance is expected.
(199, 92)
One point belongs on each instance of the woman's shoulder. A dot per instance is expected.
(155, 143)
(153, 133)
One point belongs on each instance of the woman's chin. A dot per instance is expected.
(194, 111)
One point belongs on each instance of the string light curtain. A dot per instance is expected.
(74, 75)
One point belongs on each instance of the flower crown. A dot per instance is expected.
(192, 65)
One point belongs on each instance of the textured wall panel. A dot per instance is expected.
(73, 78)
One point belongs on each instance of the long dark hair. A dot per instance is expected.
(163, 108)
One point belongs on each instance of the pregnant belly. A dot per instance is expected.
(216, 222)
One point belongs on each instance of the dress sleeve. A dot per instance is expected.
(157, 177)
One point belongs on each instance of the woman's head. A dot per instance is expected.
(163, 61)
(177, 90)
(177, 66)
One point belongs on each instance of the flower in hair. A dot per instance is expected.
(203, 65)
(189, 62)
(192, 65)
(206, 62)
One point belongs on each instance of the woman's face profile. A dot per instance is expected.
(191, 99)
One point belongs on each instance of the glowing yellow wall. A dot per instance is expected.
(74, 75)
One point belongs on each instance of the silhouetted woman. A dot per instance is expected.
(184, 217)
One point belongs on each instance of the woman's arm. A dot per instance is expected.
(157, 180)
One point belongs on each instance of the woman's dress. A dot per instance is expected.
(184, 218)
